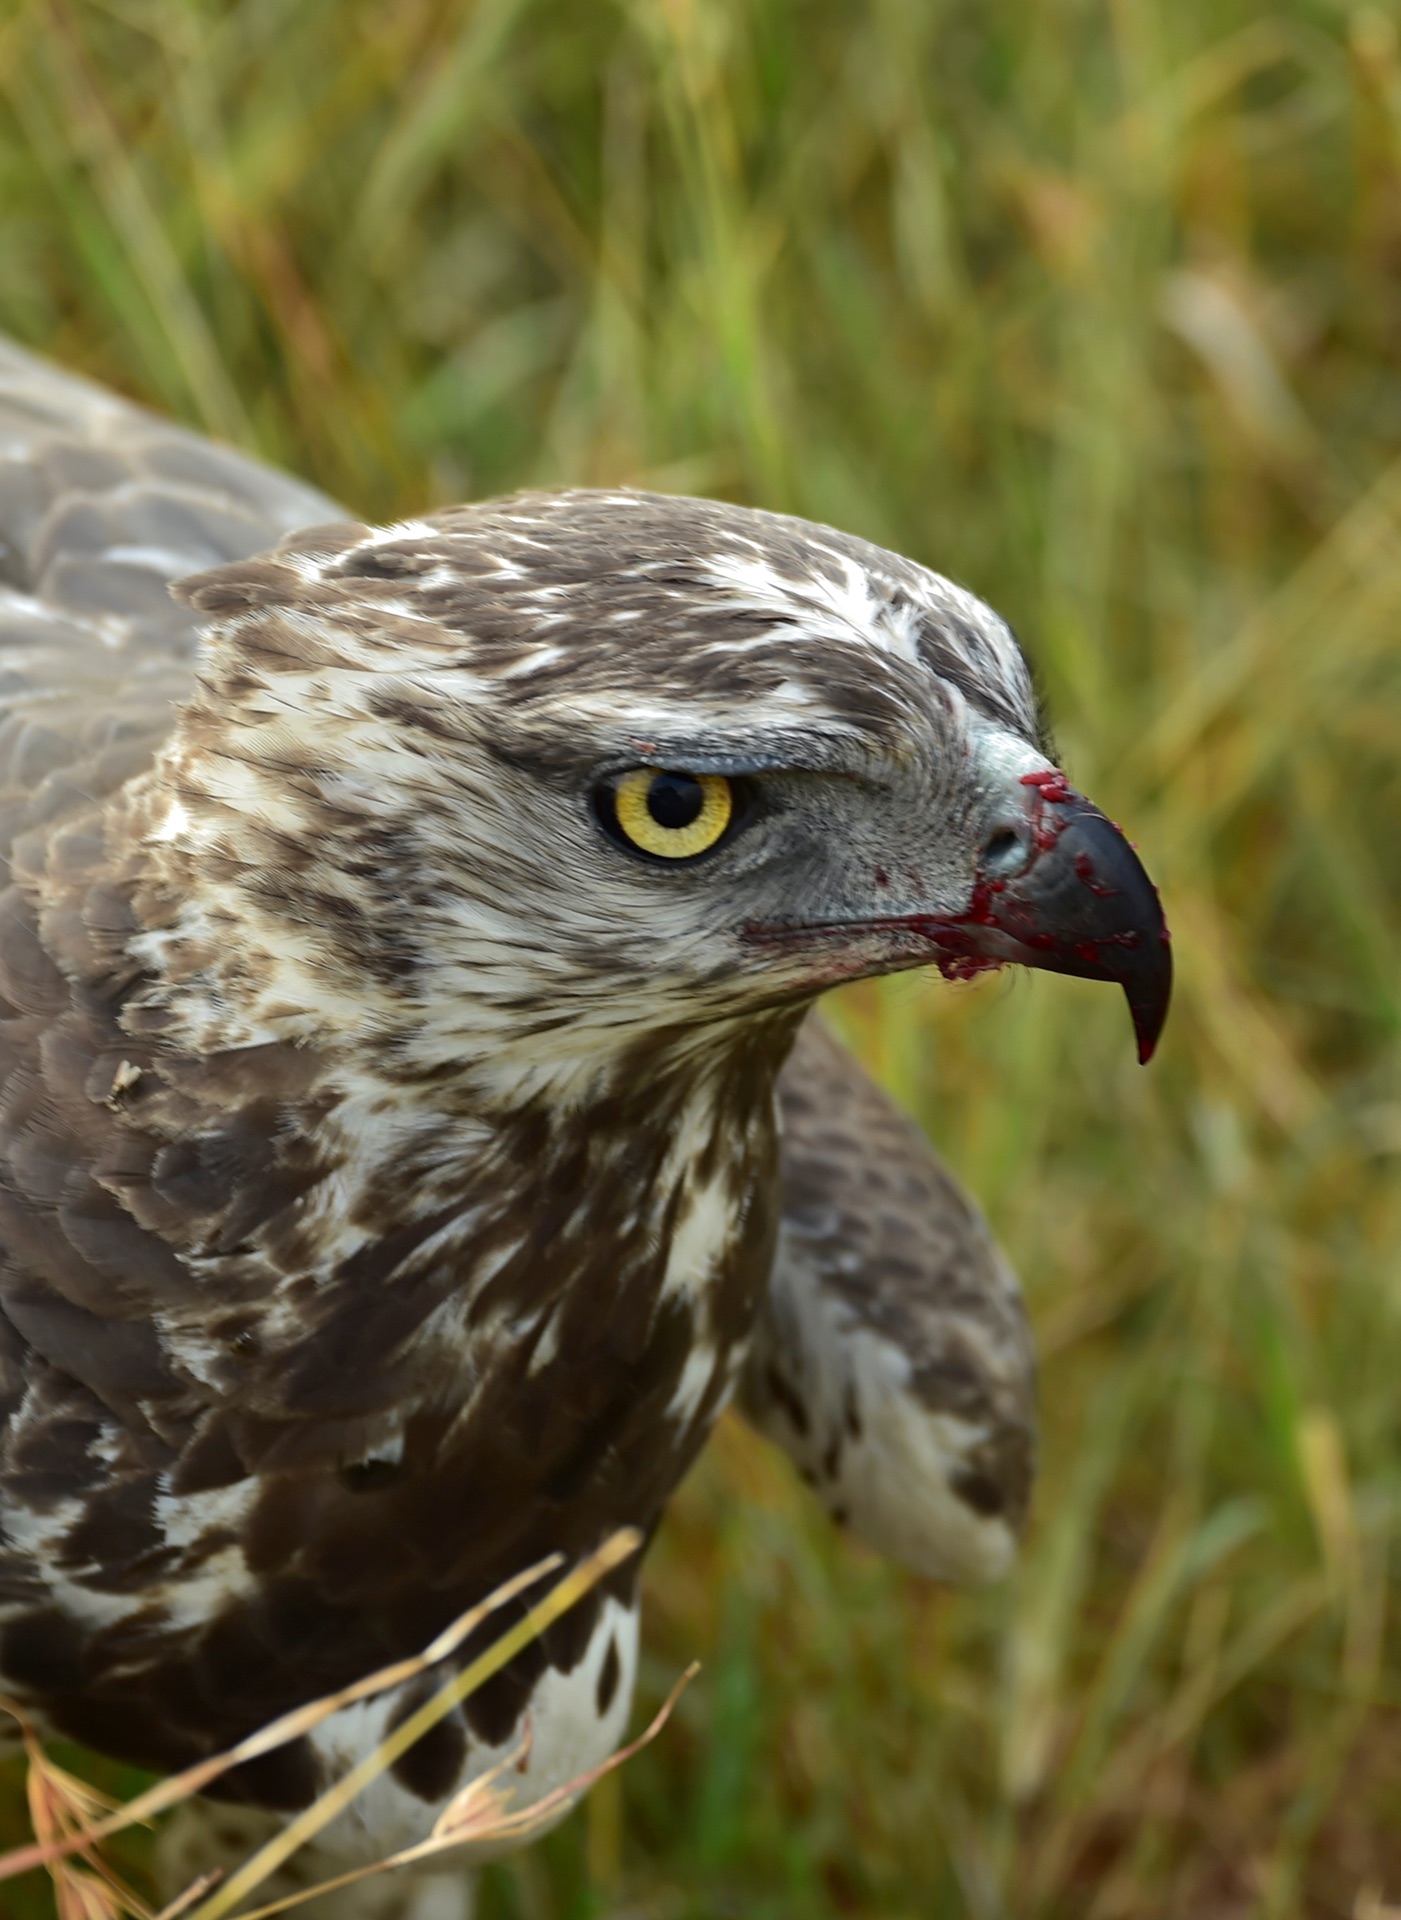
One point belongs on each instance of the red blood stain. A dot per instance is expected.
(966, 966)
(980, 908)
(1092, 951)
(957, 955)
(1052, 790)
(1085, 868)
(882, 877)
(1054, 786)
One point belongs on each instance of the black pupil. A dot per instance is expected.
(674, 800)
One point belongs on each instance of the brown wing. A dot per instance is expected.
(101, 506)
(892, 1358)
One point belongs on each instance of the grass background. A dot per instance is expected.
(1095, 305)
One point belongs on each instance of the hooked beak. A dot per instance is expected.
(1082, 905)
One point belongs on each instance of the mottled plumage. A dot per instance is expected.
(390, 1176)
(890, 1354)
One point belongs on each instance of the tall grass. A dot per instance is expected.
(1095, 305)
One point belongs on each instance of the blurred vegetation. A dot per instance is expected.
(1095, 305)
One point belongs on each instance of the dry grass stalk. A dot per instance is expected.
(482, 1813)
(63, 1811)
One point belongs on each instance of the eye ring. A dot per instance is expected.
(669, 815)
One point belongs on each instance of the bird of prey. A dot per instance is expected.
(413, 1128)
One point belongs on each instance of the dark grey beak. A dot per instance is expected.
(1083, 905)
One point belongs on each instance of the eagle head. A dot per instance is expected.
(514, 782)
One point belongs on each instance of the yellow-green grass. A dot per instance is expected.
(1094, 304)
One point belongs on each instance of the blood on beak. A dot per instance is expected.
(1083, 904)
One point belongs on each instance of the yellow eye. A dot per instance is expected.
(672, 815)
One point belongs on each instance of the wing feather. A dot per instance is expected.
(891, 1358)
(102, 505)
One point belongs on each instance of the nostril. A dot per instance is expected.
(1006, 853)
